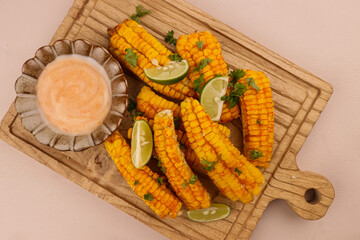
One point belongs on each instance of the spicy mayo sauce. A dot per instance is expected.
(74, 95)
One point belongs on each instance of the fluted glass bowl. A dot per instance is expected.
(27, 106)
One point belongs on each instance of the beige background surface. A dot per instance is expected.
(322, 36)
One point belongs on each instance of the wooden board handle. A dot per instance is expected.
(308, 194)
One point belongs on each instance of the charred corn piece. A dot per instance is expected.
(257, 109)
(150, 53)
(188, 48)
(142, 181)
(228, 114)
(179, 174)
(151, 104)
(235, 177)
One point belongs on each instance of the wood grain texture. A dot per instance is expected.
(299, 98)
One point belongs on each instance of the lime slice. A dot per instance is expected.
(210, 96)
(173, 72)
(141, 144)
(216, 211)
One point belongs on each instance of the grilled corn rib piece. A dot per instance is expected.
(150, 53)
(235, 177)
(143, 181)
(187, 47)
(151, 104)
(180, 176)
(257, 109)
(190, 155)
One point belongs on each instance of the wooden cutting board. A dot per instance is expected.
(299, 98)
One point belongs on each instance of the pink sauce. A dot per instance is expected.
(74, 95)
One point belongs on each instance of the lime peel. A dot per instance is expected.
(216, 211)
(173, 72)
(210, 96)
(141, 144)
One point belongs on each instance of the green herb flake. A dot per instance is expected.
(136, 182)
(200, 44)
(131, 57)
(258, 121)
(132, 109)
(140, 12)
(148, 197)
(198, 82)
(192, 180)
(175, 57)
(233, 97)
(160, 180)
(132, 105)
(159, 161)
(255, 154)
(202, 64)
(134, 114)
(236, 75)
(218, 75)
(163, 169)
(184, 185)
(170, 38)
(252, 83)
(238, 171)
(209, 166)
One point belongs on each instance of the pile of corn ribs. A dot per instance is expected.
(198, 144)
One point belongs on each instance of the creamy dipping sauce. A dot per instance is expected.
(74, 95)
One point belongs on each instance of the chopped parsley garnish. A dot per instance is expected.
(148, 197)
(132, 109)
(236, 75)
(218, 75)
(200, 44)
(136, 182)
(258, 121)
(209, 166)
(184, 185)
(163, 169)
(132, 105)
(233, 96)
(175, 57)
(177, 122)
(198, 82)
(140, 12)
(170, 38)
(255, 154)
(252, 83)
(192, 180)
(160, 180)
(203, 63)
(159, 161)
(131, 57)
(238, 171)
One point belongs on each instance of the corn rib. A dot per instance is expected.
(143, 181)
(188, 48)
(180, 176)
(257, 109)
(235, 177)
(150, 53)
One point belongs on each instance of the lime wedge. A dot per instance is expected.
(216, 211)
(210, 96)
(173, 72)
(141, 144)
